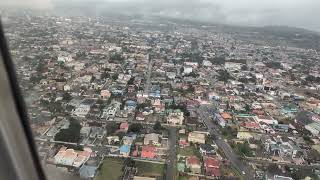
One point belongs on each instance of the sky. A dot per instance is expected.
(297, 13)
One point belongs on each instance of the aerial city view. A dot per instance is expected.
(124, 97)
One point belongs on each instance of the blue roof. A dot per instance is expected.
(87, 171)
(131, 103)
(125, 148)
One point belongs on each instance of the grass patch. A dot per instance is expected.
(188, 151)
(179, 177)
(111, 169)
(227, 171)
(150, 169)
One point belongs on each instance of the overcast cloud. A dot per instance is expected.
(298, 13)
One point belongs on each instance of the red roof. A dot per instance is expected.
(183, 142)
(251, 125)
(212, 166)
(213, 172)
(258, 112)
(211, 162)
(124, 125)
(193, 160)
(148, 152)
(149, 148)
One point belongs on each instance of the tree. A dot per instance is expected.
(244, 68)
(247, 107)
(136, 128)
(111, 127)
(224, 76)
(105, 75)
(244, 149)
(181, 70)
(219, 60)
(116, 56)
(72, 134)
(157, 126)
(66, 96)
(131, 80)
(115, 77)
(274, 65)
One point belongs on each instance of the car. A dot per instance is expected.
(243, 172)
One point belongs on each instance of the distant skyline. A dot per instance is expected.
(296, 13)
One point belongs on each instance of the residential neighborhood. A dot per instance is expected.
(136, 100)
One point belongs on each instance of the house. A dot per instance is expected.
(277, 177)
(226, 116)
(183, 142)
(251, 125)
(152, 138)
(193, 163)
(159, 107)
(206, 149)
(130, 105)
(281, 127)
(314, 128)
(97, 132)
(111, 110)
(70, 157)
(197, 137)
(244, 135)
(105, 94)
(125, 150)
(212, 167)
(113, 139)
(143, 178)
(87, 172)
(67, 87)
(140, 117)
(148, 152)
(175, 118)
(128, 140)
(85, 131)
(124, 127)
(220, 120)
(83, 109)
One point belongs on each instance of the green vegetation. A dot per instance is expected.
(274, 65)
(220, 60)
(224, 76)
(112, 127)
(136, 128)
(111, 169)
(188, 151)
(131, 80)
(72, 134)
(243, 149)
(157, 126)
(66, 96)
(150, 169)
(313, 79)
(180, 107)
(115, 77)
(116, 57)
(229, 132)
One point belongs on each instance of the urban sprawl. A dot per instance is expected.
(140, 100)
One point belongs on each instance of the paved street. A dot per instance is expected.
(171, 162)
(148, 78)
(205, 115)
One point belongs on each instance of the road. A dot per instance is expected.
(172, 154)
(205, 115)
(148, 78)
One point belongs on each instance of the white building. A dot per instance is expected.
(175, 118)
